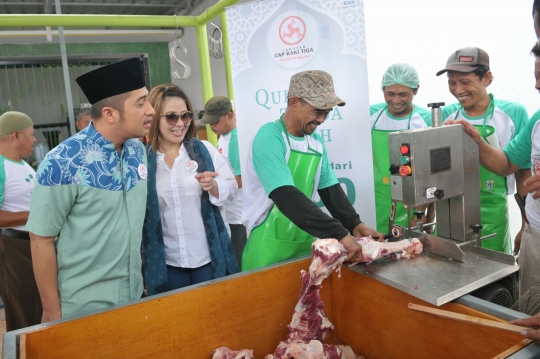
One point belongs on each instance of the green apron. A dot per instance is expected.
(381, 174)
(277, 239)
(493, 196)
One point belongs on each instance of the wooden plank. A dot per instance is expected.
(22, 346)
(513, 349)
(467, 318)
(250, 311)
(373, 318)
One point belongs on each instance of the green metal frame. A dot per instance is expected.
(138, 21)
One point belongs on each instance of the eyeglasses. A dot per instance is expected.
(172, 117)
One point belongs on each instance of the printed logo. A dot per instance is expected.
(292, 30)
(220, 150)
(293, 39)
(143, 173)
(30, 182)
(466, 58)
(192, 166)
(347, 3)
(536, 165)
(489, 184)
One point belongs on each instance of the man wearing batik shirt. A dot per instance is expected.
(88, 206)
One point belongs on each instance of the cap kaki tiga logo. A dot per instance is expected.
(536, 165)
(292, 30)
(293, 39)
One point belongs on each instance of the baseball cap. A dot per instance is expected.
(316, 87)
(466, 59)
(216, 107)
(111, 80)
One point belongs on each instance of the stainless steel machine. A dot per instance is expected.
(440, 165)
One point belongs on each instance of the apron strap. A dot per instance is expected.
(490, 110)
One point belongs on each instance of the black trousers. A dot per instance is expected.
(238, 239)
(18, 289)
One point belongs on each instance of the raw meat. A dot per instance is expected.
(309, 320)
(298, 349)
(372, 250)
(310, 325)
(226, 353)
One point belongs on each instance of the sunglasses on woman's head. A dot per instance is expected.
(172, 117)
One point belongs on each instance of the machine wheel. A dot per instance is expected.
(495, 293)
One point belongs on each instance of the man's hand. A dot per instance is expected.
(531, 322)
(470, 129)
(354, 248)
(208, 183)
(362, 230)
(532, 185)
(49, 316)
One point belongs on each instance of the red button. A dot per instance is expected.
(404, 149)
(404, 171)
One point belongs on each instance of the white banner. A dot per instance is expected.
(273, 39)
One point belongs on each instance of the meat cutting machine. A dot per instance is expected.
(440, 164)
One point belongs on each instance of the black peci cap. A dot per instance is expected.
(114, 79)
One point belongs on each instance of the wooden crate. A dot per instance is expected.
(253, 311)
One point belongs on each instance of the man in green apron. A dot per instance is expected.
(400, 84)
(287, 165)
(498, 121)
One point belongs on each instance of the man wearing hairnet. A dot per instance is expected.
(399, 84)
(498, 121)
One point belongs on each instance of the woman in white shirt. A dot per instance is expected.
(185, 238)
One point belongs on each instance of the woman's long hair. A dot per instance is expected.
(156, 98)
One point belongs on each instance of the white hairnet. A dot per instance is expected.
(401, 74)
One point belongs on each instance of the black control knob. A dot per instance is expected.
(394, 169)
(418, 214)
(476, 227)
(439, 193)
(436, 104)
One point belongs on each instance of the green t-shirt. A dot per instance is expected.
(267, 168)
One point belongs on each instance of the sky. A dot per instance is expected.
(424, 33)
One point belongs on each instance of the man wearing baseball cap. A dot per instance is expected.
(219, 115)
(88, 206)
(498, 121)
(287, 166)
(17, 283)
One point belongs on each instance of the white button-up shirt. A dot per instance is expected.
(179, 196)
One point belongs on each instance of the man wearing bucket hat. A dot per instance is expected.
(498, 121)
(17, 283)
(219, 114)
(88, 206)
(287, 165)
(400, 84)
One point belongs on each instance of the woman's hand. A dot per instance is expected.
(208, 183)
